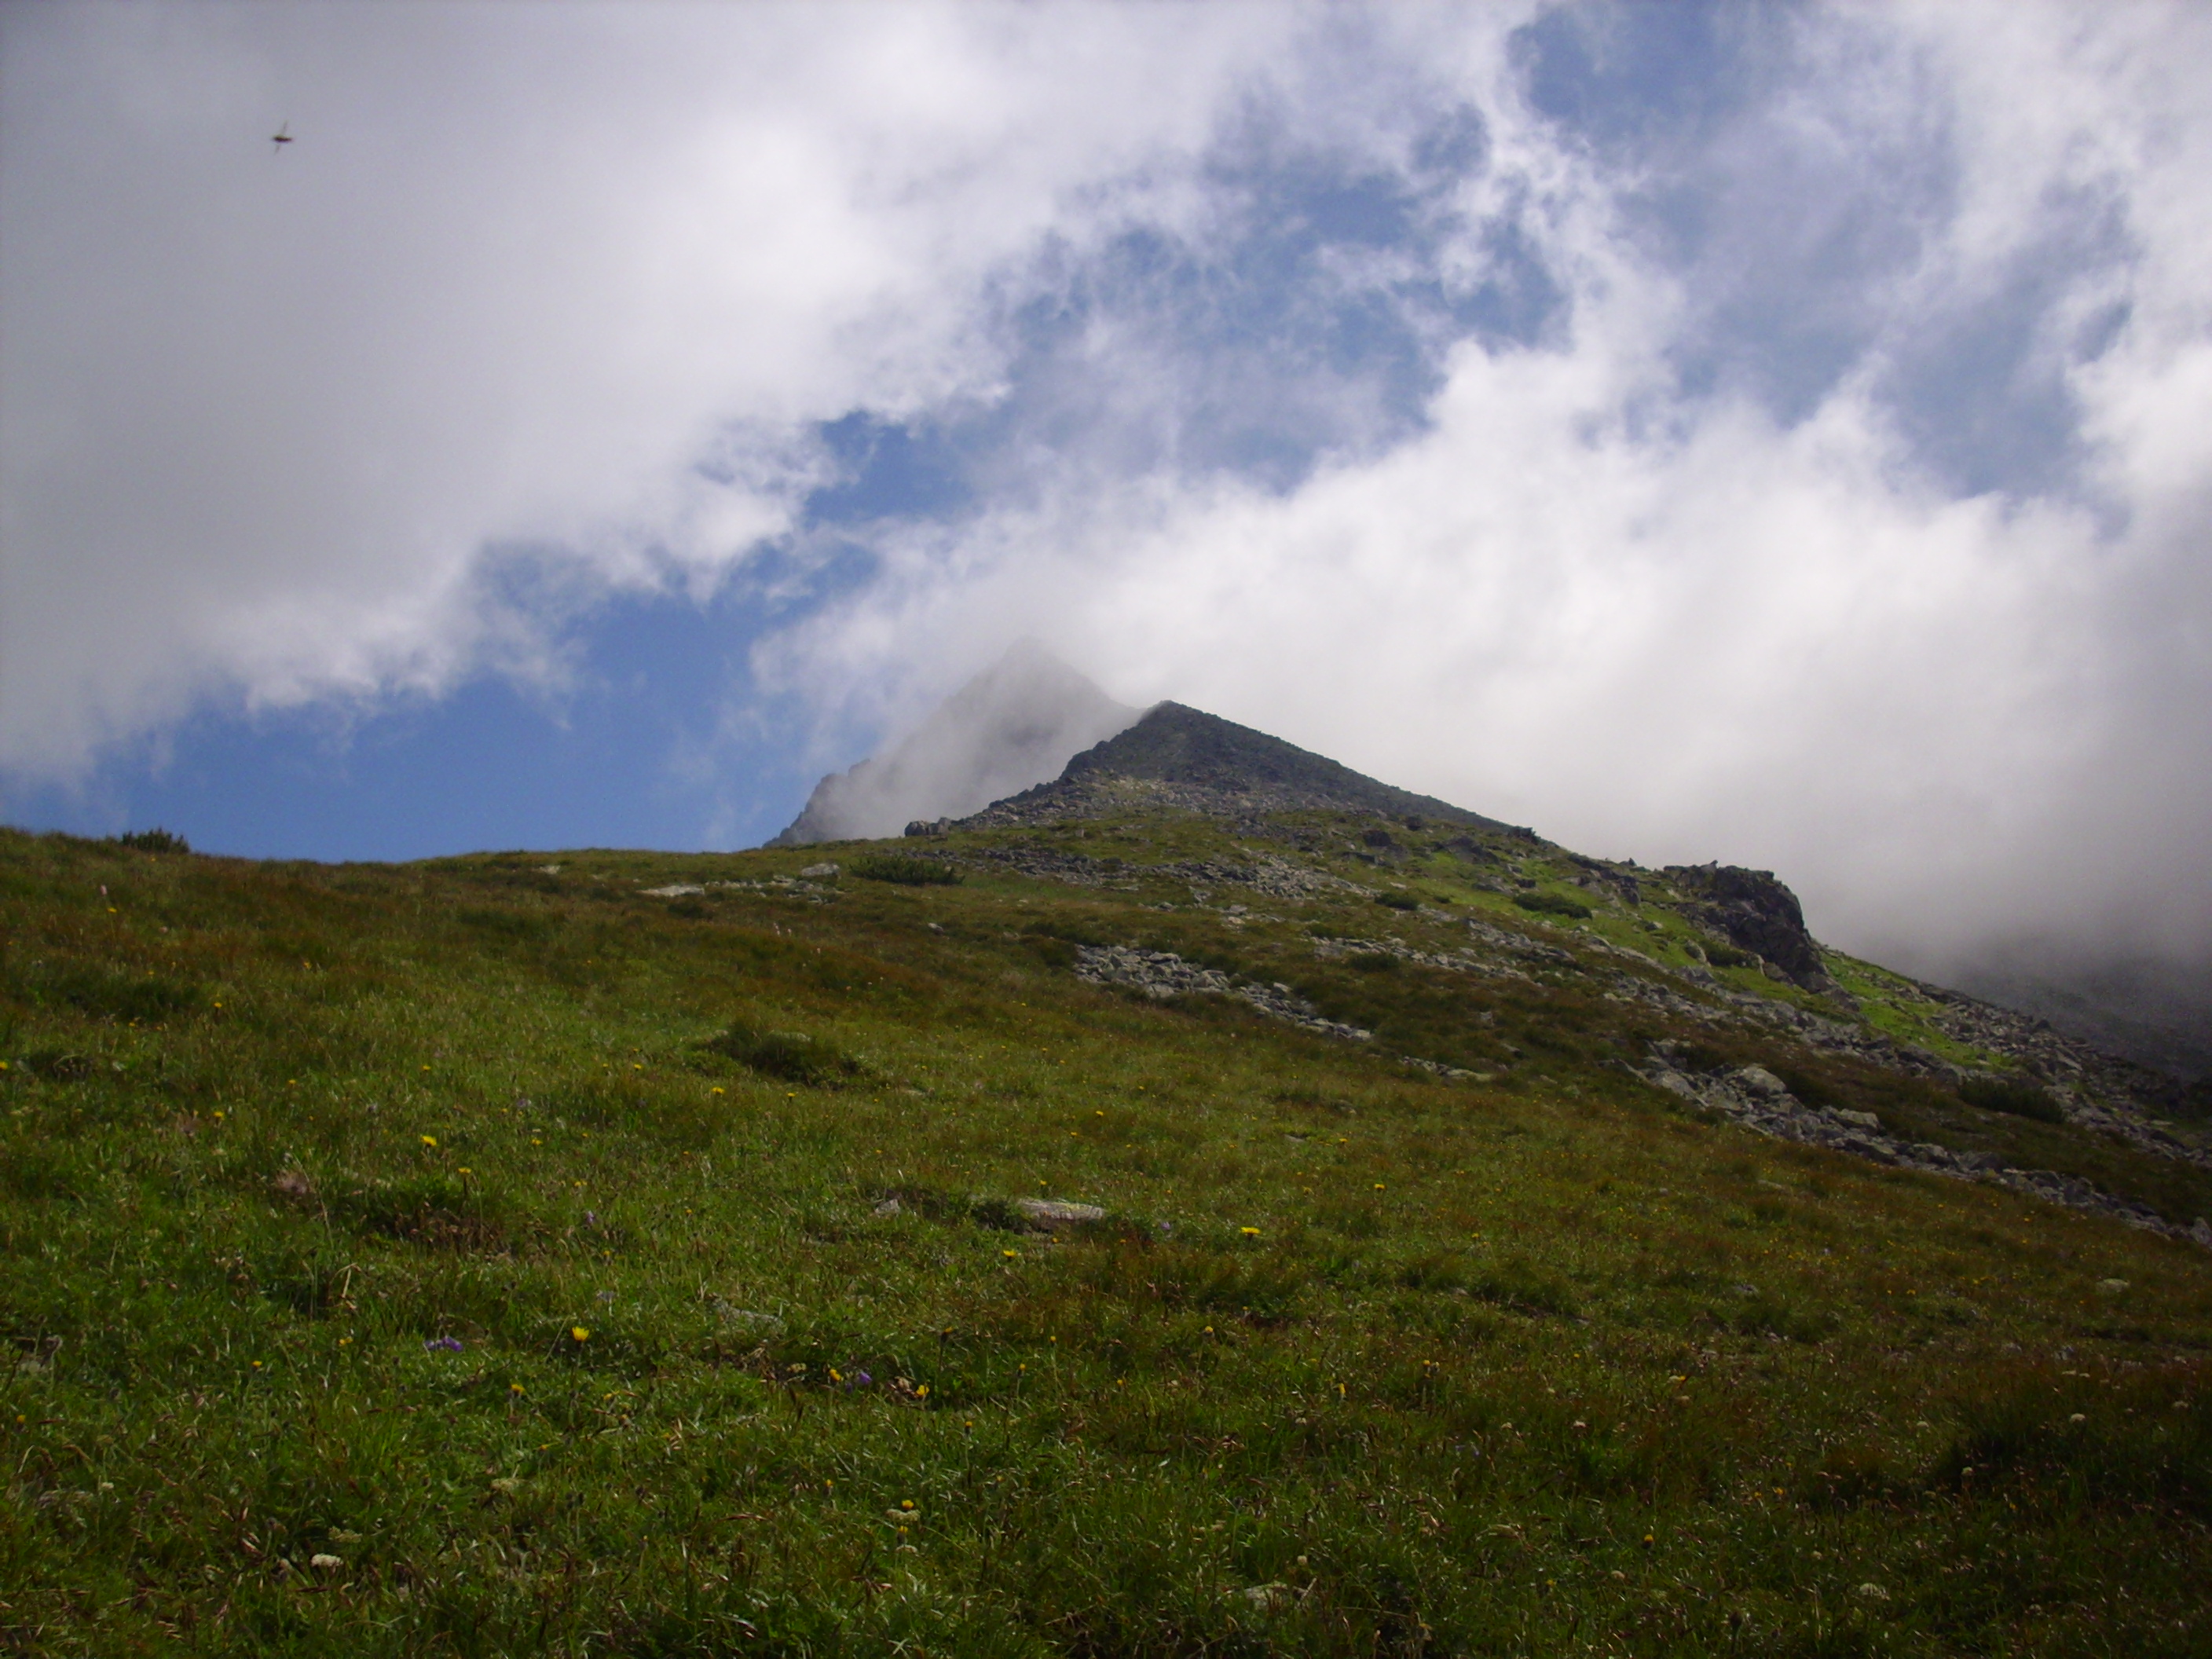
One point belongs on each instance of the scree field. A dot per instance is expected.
(521, 1254)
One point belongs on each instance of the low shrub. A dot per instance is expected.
(792, 1055)
(1551, 904)
(1405, 901)
(153, 840)
(2014, 1096)
(906, 872)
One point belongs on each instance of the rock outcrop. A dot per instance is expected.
(1754, 912)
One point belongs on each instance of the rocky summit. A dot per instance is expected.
(1176, 759)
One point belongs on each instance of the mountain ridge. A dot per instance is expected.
(1213, 766)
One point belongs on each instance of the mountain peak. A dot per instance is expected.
(1182, 759)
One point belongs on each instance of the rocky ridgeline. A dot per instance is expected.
(815, 884)
(1272, 876)
(1754, 1096)
(1101, 797)
(1183, 760)
(2097, 1091)
(1163, 973)
(1749, 1096)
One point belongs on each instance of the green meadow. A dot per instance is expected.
(492, 1256)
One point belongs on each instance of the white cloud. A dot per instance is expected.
(1667, 625)
(1697, 576)
(522, 266)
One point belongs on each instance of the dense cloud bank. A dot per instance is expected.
(1771, 434)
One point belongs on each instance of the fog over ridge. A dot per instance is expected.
(1016, 724)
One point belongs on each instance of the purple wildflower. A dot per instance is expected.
(442, 1345)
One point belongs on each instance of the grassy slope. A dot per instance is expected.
(399, 1215)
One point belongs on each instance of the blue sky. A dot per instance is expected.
(1773, 433)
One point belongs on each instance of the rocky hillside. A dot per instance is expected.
(1749, 964)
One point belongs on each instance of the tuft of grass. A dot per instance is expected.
(434, 1208)
(2015, 1097)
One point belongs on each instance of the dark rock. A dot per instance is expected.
(1756, 913)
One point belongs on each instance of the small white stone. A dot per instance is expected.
(1055, 1213)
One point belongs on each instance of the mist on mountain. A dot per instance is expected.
(1014, 726)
